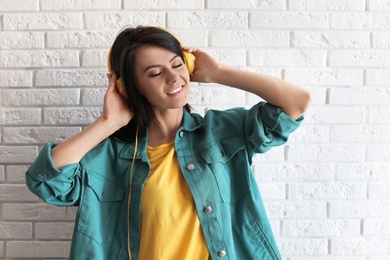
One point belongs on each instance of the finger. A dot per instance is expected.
(112, 81)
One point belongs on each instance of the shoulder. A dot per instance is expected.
(109, 148)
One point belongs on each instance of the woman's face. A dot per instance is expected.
(162, 77)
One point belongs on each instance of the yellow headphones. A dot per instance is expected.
(189, 61)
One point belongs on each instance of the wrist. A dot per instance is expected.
(107, 125)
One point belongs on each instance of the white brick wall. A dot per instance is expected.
(327, 191)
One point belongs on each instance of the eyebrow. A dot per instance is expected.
(157, 66)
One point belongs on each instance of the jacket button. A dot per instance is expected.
(181, 134)
(222, 253)
(190, 167)
(207, 209)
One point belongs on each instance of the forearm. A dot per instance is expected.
(292, 99)
(72, 150)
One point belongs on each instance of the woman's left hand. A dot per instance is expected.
(206, 67)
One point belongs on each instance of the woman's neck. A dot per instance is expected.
(163, 129)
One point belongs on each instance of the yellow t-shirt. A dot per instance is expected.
(170, 227)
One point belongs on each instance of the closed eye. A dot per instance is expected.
(178, 66)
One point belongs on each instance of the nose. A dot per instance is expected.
(172, 76)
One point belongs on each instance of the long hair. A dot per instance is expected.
(122, 61)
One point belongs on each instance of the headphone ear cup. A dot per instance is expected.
(118, 85)
(120, 88)
(189, 61)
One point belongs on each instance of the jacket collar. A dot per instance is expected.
(191, 122)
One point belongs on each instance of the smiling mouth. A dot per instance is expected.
(176, 90)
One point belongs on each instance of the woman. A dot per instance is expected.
(152, 180)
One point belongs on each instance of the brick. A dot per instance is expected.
(381, 39)
(94, 58)
(296, 209)
(2, 176)
(304, 247)
(249, 38)
(335, 190)
(34, 97)
(16, 173)
(42, 21)
(293, 172)
(15, 230)
(71, 116)
(21, 40)
(273, 191)
(12, 5)
(36, 211)
(54, 231)
(327, 5)
(360, 20)
(359, 209)
(79, 77)
(321, 228)
(330, 40)
(379, 190)
(376, 227)
(310, 134)
(378, 153)
(360, 59)
(335, 115)
(110, 20)
(81, 39)
(379, 115)
(325, 153)
(358, 246)
(79, 5)
(38, 135)
(37, 249)
(30, 59)
(15, 192)
(293, 20)
(156, 4)
(17, 154)
(16, 78)
(216, 96)
(207, 20)
(252, 5)
(19, 116)
(360, 134)
(362, 172)
(281, 58)
(324, 76)
(197, 37)
(377, 77)
(92, 97)
(379, 5)
(231, 57)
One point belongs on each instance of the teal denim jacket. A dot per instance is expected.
(215, 156)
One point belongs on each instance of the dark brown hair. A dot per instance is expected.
(122, 62)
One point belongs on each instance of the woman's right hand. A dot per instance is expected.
(116, 111)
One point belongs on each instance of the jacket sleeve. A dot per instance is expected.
(55, 186)
(267, 126)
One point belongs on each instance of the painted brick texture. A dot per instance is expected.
(326, 191)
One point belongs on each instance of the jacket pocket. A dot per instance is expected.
(100, 207)
(227, 161)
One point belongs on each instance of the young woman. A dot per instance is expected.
(152, 180)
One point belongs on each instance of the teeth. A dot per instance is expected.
(175, 91)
